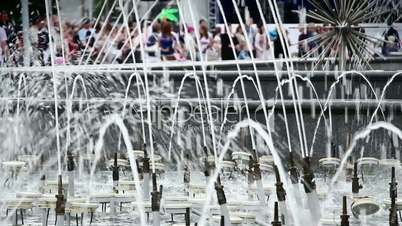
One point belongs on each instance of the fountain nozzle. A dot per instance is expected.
(293, 171)
(344, 216)
(60, 202)
(393, 193)
(276, 221)
(186, 176)
(208, 167)
(356, 186)
(308, 176)
(156, 195)
(145, 163)
(70, 162)
(220, 193)
(115, 168)
(280, 191)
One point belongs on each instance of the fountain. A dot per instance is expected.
(79, 124)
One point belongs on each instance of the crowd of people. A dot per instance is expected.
(95, 42)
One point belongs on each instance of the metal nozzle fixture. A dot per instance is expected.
(356, 186)
(222, 223)
(115, 168)
(70, 161)
(156, 195)
(257, 171)
(280, 191)
(145, 163)
(208, 167)
(220, 193)
(344, 216)
(334, 153)
(60, 202)
(308, 176)
(276, 221)
(293, 171)
(252, 171)
(393, 193)
(186, 175)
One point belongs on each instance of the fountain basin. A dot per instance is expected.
(233, 219)
(266, 168)
(227, 165)
(120, 163)
(81, 207)
(266, 159)
(176, 198)
(387, 204)
(241, 159)
(197, 190)
(244, 215)
(52, 185)
(368, 161)
(30, 195)
(126, 185)
(19, 203)
(268, 190)
(31, 160)
(108, 197)
(244, 206)
(159, 167)
(137, 153)
(328, 222)
(390, 163)
(330, 162)
(364, 205)
(368, 165)
(242, 156)
(13, 166)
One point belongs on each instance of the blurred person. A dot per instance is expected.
(240, 38)
(85, 31)
(190, 44)
(392, 41)
(203, 23)
(226, 47)
(279, 49)
(167, 42)
(214, 51)
(205, 40)
(261, 43)
(37, 25)
(303, 43)
(4, 53)
(311, 33)
(152, 45)
(9, 26)
(251, 32)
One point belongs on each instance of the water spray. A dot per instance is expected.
(310, 189)
(294, 178)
